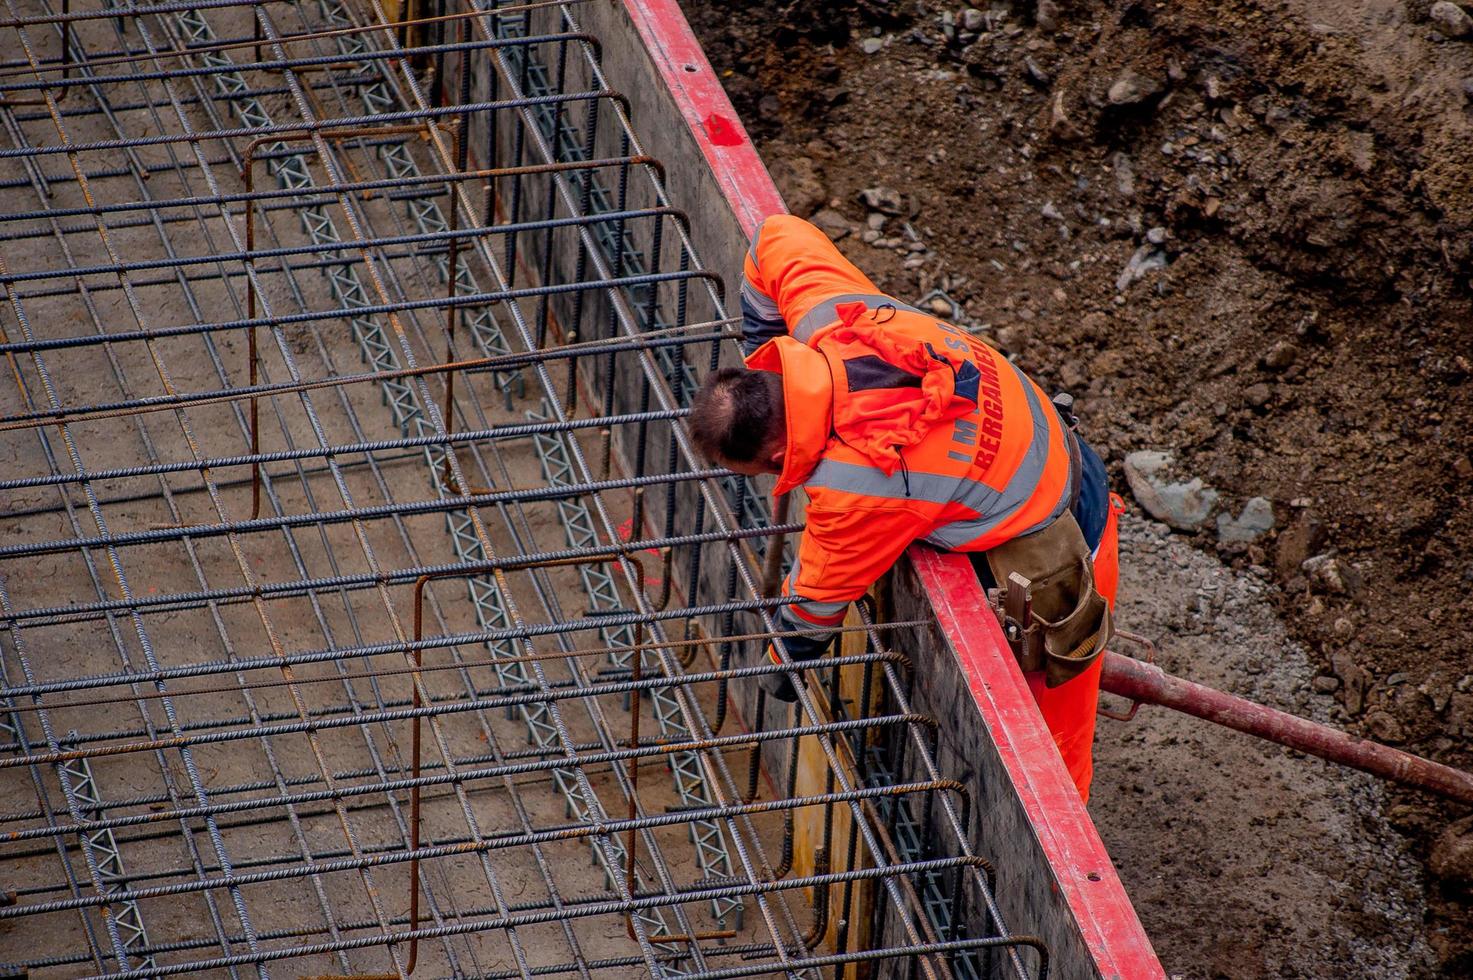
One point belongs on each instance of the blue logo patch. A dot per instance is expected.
(967, 380)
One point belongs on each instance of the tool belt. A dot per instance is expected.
(1053, 617)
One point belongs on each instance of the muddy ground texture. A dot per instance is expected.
(1241, 233)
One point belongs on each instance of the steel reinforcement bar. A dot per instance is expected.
(438, 665)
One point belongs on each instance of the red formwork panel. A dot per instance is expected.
(1081, 867)
(1078, 866)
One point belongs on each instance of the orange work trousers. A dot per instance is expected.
(1069, 709)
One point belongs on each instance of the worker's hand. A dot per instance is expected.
(777, 685)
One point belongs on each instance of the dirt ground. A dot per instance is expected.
(1242, 858)
(1241, 233)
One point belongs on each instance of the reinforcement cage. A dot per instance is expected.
(365, 608)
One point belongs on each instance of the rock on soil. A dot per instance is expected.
(884, 200)
(1185, 505)
(1332, 575)
(1146, 259)
(1280, 356)
(1452, 855)
(833, 224)
(1046, 16)
(1131, 88)
(1450, 19)
(1256, 520)
(1353, 679)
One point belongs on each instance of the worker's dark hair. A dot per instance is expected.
(738, 413)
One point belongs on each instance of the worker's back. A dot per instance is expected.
(903, 427)
(924, 417)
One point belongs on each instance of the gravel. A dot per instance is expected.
(1210, 826)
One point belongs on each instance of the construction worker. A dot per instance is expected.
(902, 428)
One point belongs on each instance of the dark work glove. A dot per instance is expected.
(800, 648)
(779, 687)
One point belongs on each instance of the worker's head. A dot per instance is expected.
(738, 421)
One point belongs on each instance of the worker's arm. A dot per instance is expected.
(841, 554)
(761, 318)
(791, 269)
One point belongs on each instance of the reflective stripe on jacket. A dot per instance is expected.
(901, 427)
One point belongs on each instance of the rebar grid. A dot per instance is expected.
(301, 659)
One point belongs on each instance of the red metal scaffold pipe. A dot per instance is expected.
(1149, 684)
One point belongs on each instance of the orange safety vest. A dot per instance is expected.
(900, 427)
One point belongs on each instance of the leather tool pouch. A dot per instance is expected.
(1054, 618)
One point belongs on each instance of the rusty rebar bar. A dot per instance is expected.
(137, 714)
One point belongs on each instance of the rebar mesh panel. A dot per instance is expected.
(365, 609)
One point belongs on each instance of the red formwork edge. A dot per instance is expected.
(723, 139)
(1081, 867)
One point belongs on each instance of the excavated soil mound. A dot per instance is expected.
(1241, 233)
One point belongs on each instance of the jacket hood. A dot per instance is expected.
(808, 395)
(895, 388)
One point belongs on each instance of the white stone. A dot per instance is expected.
(1183, 505)
(1256, 520)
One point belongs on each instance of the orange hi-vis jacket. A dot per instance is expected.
(900, 427)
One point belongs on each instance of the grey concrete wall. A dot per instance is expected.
(999, 830)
